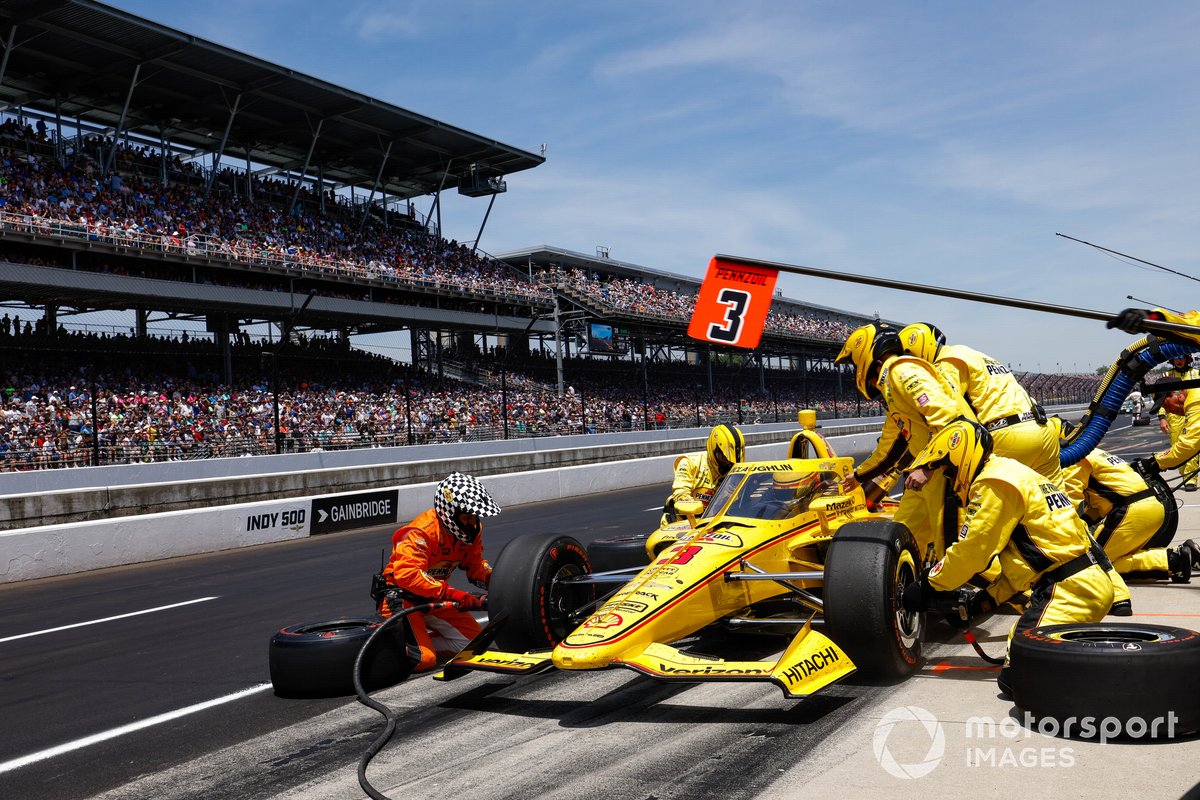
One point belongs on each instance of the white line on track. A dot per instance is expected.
(96, 738)
(107, 619)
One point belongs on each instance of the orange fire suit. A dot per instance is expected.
(1003, 407)
(424, 556)
(1028, 524)
(1133, 534)
(919, 402)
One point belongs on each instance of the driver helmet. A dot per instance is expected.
(923, 340)
(962, 447)
(460, 501)
(866, 348)
(726, 447)
(795, 486)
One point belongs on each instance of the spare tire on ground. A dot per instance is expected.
(316, 659)
(1143, 678)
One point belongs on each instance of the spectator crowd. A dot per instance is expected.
(153, 201)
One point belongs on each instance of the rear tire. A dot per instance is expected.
(866, 567)
(1118, 670)
(526, 584)
(316, 659)
(621, 552)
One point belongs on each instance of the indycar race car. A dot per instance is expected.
(780, 544)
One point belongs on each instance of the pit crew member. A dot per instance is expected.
(1185, 405)
(1017, 516)
(1136, 517)
(1173, 423)
(1018, 425)
(918, 402)
(697, 474)
(426, 552)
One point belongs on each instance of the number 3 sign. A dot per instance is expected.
(733, 304)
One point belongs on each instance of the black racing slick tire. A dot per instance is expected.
(620, 552)
(1129, 672)
(866, 567)
(527, 585)
(316, 659)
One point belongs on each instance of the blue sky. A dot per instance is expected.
(938, 142)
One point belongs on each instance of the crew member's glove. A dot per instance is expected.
(1147, 466)
(465, 600)
(689, 508)
(1130, 320)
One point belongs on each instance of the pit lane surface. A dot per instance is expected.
(553, 735)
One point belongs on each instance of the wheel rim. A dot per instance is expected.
(563, 601)
(335, 627)
(1116, 636)
(908, 623)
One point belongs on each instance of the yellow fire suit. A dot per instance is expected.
(1017, 516)
(1133, 534)
(1178, 429)
(693, 481)
(919, 402)
(1003, 407)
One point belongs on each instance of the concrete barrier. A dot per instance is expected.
(46, 550)
(108, 526)
(83, 495)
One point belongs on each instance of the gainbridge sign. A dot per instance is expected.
(359, 510)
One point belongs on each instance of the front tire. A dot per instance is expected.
(527, 585)
(866, 567)
(1109, 670)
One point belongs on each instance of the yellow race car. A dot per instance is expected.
(780, 544)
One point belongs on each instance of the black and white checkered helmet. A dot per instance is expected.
(459, 493)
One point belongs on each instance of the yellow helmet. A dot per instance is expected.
(961, 447)
(1061, 427)
(726, 447)
(923, 340)
(865, 349)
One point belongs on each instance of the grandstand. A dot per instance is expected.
(239, 228)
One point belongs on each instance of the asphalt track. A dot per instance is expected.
(106, 676)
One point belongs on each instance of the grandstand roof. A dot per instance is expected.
(85, 54)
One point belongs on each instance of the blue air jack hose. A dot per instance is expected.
(1129, 368)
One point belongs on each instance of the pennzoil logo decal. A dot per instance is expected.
(722, 538)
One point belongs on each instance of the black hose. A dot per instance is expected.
(1126, 371)
(367, 701)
